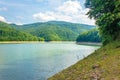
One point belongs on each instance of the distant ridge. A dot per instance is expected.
(52, 30)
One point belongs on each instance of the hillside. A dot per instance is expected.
(103, 64)
(7, 33)
(54, 30)
(89, 36)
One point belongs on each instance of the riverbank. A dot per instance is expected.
(23, 42)
(79, 43)
(18, 42)
(103, 64)
(89, 43)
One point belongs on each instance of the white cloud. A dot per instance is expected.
(2, 19)
(70, 11)
(51, 16)
(44, 16)
(83, 19)
(3, 9)
(70, 7)
(18, 22)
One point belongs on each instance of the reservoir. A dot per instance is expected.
(39, 61)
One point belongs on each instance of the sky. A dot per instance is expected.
(31, 11)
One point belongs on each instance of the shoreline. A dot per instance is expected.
(96, 64)
(18, 42)
(25, 42)
(21, 42)
(89, 43)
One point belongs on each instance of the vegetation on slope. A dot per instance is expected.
(103, 64)
(54, 30)
(55, 33)
(7, 33)
(89, 36)
(107, 16)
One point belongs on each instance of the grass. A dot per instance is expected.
(103, 64)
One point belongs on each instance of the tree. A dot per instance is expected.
(89, 36)
(107, 16)
(7, 33)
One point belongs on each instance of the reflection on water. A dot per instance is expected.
(38, 61)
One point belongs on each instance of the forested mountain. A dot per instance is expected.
(7, 33)
(89, 36)
(48, 31)
(54, 30)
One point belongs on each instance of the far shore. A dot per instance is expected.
(18, 42)
(21, 42)
(89, 43)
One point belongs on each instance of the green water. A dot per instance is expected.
(38, 61)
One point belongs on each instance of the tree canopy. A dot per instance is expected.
(107, 16)
(54, 30)
(89, 36)
(47, 31)
(7, 33)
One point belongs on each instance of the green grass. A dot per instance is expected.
(103, 64)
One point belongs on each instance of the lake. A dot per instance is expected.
(38, 61)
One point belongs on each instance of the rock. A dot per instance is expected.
(95, 66)
(95, 75)
(118, 46)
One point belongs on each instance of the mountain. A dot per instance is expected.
(7, 33)
(54, 30)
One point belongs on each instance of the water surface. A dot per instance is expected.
(38, 61)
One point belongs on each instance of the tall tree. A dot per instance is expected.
(107, 16)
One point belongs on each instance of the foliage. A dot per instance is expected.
(54, 30)
(89, 36)
(7, 33)
(48, 31)
(107, 16)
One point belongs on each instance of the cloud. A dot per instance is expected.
(70, 11)
(19, 20)
(3, 9)
(2, 19)
(19, 23)
(51, 16)
(44, 16)
(70, 7)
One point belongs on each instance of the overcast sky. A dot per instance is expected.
(30, 11)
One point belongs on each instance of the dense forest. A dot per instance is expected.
(107, 16)
(7, 33)
(54, 30)
(89, 36)
(47, 31)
